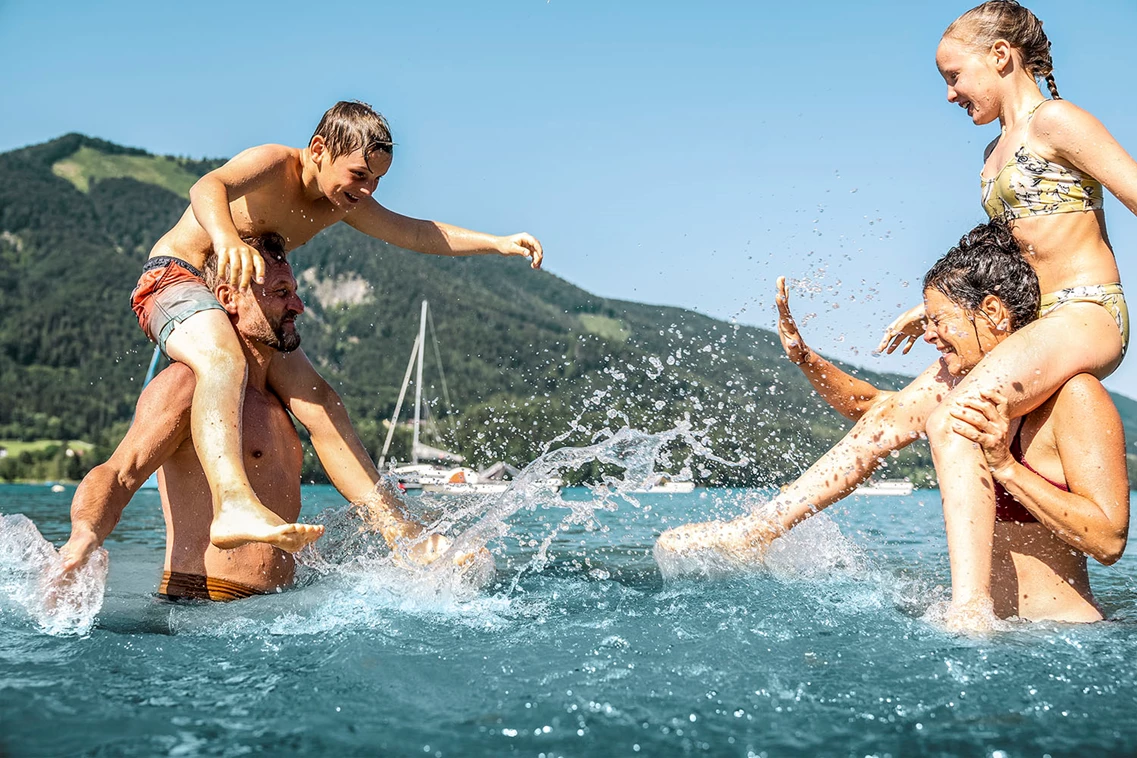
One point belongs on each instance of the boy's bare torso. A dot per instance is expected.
(280, 205)
(272, 456)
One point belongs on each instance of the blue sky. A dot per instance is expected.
(677, 153)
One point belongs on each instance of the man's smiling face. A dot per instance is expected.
(267, 312)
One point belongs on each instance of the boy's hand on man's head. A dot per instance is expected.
(523, 244)
(239, 264)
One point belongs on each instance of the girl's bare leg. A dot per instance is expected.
(1027, 368)
(207, 344)
(891, 424)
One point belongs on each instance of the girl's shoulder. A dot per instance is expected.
(1058, 117)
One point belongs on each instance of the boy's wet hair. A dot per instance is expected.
(351, 125)
(271, 245)
(985, 24)
(988, 261)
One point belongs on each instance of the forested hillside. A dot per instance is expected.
(528, 357)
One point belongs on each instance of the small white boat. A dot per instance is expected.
(468, 488)
(885, 487)
(466, 481)
(662, 483)
(416, 476)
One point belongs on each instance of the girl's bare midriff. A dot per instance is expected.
(1068, 249)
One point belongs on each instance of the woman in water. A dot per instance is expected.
(1060, 481)
(1045, 173)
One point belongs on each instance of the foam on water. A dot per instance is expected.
(31, 580)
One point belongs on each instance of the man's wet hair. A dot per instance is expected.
(350, 125)
(270, 245)
(988, 261)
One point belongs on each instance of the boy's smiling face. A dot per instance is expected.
(349, 179)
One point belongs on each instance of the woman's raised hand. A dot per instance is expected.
(792, 342)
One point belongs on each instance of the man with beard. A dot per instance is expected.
(264, 318)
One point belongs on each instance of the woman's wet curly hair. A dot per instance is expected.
(988, 261)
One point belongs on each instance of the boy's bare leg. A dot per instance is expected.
(890, 425)
(207, 344)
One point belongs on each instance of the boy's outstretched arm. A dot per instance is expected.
(318, 407)
(161, 425)
(436, 238)
(210, 197)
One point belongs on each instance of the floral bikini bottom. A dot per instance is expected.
(1109, 296)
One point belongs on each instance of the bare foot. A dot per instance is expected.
(973, 618)
(236, 525)
(743, 541)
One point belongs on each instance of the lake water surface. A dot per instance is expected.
(578, 649)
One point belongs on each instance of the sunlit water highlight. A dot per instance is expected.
(578, 647)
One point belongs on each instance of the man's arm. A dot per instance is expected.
(436, 238)
(161, 425)
(318, 407)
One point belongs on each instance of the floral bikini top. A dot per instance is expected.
(1030, 185)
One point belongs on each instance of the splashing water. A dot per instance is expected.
(31, 577)
(636, 453)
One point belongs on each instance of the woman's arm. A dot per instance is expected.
(849, 396)
(1093, 517)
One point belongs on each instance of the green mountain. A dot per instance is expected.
(528, 357)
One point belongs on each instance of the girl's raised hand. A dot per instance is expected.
(792, 342)
(909, 326)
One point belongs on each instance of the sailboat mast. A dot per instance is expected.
(398, 405)
(418, 383)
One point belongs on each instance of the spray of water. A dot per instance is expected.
(32, 581)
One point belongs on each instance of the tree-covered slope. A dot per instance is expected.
(528, 357)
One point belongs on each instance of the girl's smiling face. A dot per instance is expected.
(972, 78)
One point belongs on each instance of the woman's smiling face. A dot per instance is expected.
(962, 336)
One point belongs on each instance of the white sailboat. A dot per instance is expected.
(425, 468)
(433, 469)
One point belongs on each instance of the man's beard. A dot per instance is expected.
(284, 341)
